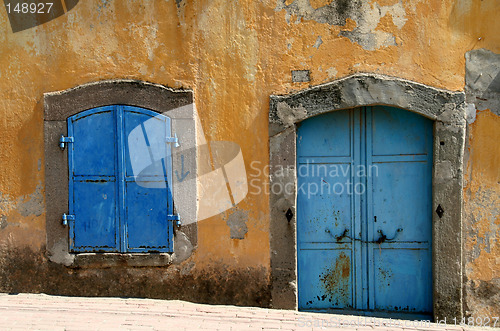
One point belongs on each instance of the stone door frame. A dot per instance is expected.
(448, 111)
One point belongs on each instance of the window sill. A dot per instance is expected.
(113, 260)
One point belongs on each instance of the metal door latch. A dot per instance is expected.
(175, 218)
(65, 140)
(66, 218)
(173, 140)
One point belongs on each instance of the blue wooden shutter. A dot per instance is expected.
(93, 194)
(147, 191)
(117, 207)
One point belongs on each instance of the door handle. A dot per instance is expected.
(383, 237)
(338, 238)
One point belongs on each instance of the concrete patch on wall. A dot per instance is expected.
(28, 205)
(318, 42)
(32, 204)
(3, 222)
(301, 76)
(482, 79)
(366, 15)
(183, 247)
(6, 204)
(236, 221)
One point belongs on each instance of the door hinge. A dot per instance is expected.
(65, 140)
(175, 218)
(173, 140)
(66, 218)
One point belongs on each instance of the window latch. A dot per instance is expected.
(65, 140)
(66, 218)
(175, 218)
(173, 140)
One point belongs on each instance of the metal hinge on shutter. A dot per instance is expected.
(175, 218)
(66, 218)
(65, 140)
(173, 140)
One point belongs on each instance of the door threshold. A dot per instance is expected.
(374, 313)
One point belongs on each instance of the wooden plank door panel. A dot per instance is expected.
(325, 210)
(370, 248)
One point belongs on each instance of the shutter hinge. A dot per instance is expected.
(173, 140)
(175, 218)
(66, 218)
(65, 140)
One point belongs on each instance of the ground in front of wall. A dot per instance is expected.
(44, 312)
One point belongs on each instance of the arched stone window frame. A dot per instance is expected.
(60, 105)
(448, 111)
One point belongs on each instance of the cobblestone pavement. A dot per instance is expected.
(44, 312)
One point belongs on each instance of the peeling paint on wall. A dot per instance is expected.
(482, 78)
(29, 205)
(318, 42)
(32, 204)
(365, 15)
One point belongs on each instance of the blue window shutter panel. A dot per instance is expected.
(119, 189)
(148, 170)
(92, 181)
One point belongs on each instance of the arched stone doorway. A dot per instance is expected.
(445, 108)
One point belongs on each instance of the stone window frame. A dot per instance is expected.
(448, 111)
(60, 105)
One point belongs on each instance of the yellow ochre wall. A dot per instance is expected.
(234, 55)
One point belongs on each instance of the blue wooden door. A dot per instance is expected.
(118, 208)
(364, 211)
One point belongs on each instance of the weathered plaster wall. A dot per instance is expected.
(233, 55)
(482, 262)
(482, 190)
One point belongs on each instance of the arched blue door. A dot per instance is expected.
(119, 180)
(364, 211)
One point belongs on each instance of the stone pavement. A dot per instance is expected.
(44, 312)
